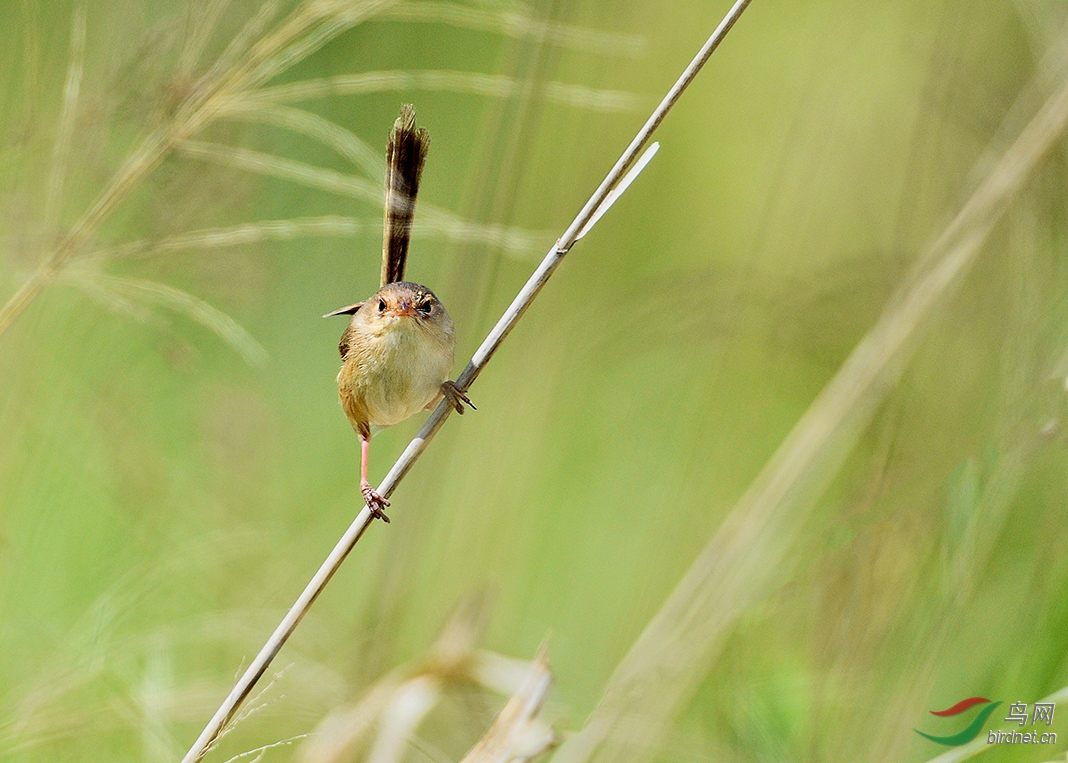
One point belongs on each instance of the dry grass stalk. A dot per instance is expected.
(518, 734)
(385, 720)
(511, 316)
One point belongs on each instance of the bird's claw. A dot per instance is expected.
(456, 396)
(375, 503)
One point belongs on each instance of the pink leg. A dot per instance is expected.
(375, 502)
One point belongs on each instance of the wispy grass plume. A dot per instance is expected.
(235, 86)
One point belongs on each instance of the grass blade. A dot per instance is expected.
(434, 220)
(472, 83)
(71, 92)
(344, 142)
(284, 169)
(519, 25)
(127, 292)
(237, 235)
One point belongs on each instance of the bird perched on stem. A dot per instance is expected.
(397, 351)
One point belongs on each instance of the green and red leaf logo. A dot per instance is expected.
(969, 732)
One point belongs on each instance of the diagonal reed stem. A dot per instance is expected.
(482, 356)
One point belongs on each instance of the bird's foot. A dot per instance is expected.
(456, 396)
(375, 502)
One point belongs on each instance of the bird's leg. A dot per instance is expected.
(456, 396)
(375, 502)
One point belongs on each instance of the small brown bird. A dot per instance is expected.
(397, 351)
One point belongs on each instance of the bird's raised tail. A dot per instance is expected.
(405, 154)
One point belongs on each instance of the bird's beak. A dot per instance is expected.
(404, 309)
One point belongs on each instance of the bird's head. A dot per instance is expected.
(404, 306)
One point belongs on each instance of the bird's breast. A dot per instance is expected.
(392, 373)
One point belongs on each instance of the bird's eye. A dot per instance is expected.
(381, 305)
(426, 308)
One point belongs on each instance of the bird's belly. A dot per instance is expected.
(402, 396)
(400, 377)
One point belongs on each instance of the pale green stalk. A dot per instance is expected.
(230, 705)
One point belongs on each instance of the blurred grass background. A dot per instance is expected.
(163, 501)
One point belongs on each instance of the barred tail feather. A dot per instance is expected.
(405, 155)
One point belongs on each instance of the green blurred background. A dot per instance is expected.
(163, 501)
